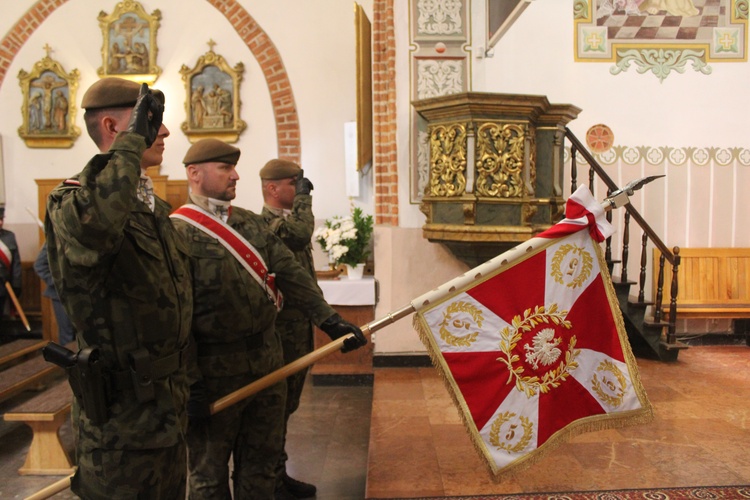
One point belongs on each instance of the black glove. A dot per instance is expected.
(337, 327)
(198, 406)
(147, 116)
(304, 186)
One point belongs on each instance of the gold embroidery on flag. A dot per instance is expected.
(510, 337)
(506, 442)
(613, 395)
(575, 269)
(460, 322)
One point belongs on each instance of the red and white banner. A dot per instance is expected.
(6, 257)
(532, 344)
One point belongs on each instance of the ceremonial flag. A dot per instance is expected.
(532, 344)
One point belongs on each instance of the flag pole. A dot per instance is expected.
(303, 362)
(19, 309)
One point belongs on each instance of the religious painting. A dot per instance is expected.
(363, 34)
(49, 105)
(212, 103)
(129, 49)
(661, 37)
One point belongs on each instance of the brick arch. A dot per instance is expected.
(257, 40)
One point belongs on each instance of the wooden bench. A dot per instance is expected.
(30, 374)
(45, 413)
(712, 283)
(19, 350)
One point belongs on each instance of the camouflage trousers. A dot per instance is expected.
(249, 431)
(128, 474)
(297, 341)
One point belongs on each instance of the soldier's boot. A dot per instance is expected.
(297, 488)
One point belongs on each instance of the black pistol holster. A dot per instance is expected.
(87, 378)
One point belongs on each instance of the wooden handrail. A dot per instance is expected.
(579, 148)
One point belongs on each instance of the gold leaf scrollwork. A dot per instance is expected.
(449, 321)
(506, 442)
(578, 267)
(448, 160)
(500, 160)
(511, 336)
(614, 393)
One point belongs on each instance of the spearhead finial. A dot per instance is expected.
(621, 196)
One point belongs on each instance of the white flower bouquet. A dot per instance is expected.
(346, 239)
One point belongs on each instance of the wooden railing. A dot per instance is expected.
(673, 256)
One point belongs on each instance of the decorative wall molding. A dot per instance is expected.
(655, 156)
(439, 17)
(439, 77)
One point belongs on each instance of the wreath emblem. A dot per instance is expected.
(506, 442)
(608, 391)
(455, 319)
(574, 268)
(541, 350)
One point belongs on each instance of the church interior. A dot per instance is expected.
(463, 127)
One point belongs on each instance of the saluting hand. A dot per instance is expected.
(147, 116)
(304, 186)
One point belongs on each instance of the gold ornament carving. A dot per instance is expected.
(576, 269)
(506, 442)
(448, 160)
(500, 160)
(455, 318)
(528, 211)
(510, 337)
(614, 393)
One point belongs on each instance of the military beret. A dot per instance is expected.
(211, 150)
(115, 92)
(2, 212)
(279, 169)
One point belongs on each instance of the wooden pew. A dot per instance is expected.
(45, 413)
(30, 374)
(712, 283)
(19, 350)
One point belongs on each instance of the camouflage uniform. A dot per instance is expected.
(122, 273)
(233, 325)
(292, 324)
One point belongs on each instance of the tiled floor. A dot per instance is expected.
(699, 436)
(418, 447)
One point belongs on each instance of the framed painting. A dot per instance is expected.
(49, 105)
(212, 103)
(661, 36)
(363, 33)
(129, 49)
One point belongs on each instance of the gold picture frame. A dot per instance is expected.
(129, 49)
(49, 105)
(363, 35)
(212, 103)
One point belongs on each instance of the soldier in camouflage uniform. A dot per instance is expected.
(233, 326)
(287, 209)
(122, 273)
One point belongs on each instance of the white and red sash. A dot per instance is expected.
(6, 257)
(233, 241)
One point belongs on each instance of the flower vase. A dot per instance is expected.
(355, 272)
